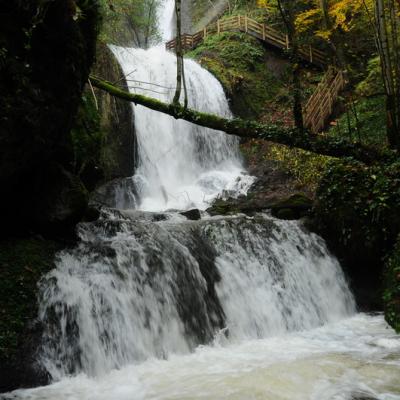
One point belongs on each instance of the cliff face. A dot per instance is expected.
(46, 51)
(116, 119)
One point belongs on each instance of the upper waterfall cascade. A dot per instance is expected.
(180, 165)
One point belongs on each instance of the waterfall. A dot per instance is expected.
(151, 305)
(181, 165)
(137, 287)
(151, 284)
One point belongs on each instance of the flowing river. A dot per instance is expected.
(151, 305)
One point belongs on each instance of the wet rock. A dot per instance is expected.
(60, 201)
(116, 118)
(293, 207)
(22, 264)
(193, 215)
(41, 81)
(362, 396)
(119, 193)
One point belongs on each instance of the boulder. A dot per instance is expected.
(59, 201)
(193, 215)
(119, 193)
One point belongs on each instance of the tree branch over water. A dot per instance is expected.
(320, 144)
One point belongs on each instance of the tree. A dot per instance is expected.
(330, 20)
(288, 10)
(139, 15)
(387, 42)
(180, 65)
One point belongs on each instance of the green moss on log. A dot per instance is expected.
(325, 145)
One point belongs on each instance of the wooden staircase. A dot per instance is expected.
(319, 106)
(247, 25)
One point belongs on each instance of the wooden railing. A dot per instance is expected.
(251, 27)
(319, 107)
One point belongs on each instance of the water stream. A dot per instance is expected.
(151, 305)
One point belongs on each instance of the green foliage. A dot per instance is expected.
(22, 263)
(364, 118)
(364, 121)
(391, 294)
(359, 205)
(307, 168)
(238, 62)
(128, 20)
(372, 84)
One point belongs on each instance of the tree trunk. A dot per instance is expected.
(179, 52)
(288, 15)
(336, 41)
(385, 53)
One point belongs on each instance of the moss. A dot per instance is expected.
(87, 141)
(391, 294)
(22, 263)
(239, 63)
(223, 207)
(307, 168)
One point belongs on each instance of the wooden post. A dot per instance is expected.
(245, 23)
(287, 42)
(218, 27)
(239, 21)
(263, 32)
(205, 32)
(311, 54)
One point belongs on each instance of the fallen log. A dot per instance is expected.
(320, 144)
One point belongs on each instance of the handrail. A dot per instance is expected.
(320, 105)
(261, 31)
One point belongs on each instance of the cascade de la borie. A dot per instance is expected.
(152, 305)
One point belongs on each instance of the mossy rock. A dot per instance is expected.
(293, 207)
(285, 213)
(224, 207)
(391, 293)
(240, 62)
(22, 264)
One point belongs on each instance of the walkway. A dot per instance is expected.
(319, 107)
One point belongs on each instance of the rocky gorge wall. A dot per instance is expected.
(57, 142)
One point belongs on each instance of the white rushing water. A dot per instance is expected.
(356, 358)
(152, 306)
(180, 165)
(136, 289)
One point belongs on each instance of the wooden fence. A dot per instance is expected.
(319, 106)
(260, 31)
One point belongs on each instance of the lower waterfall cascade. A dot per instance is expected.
(153, 306)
